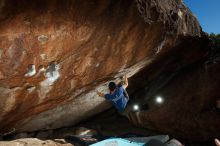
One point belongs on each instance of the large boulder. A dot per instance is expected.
(54, 55)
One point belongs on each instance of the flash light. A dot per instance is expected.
(159, 100)
(135, 107)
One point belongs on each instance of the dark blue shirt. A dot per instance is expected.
(118, 99)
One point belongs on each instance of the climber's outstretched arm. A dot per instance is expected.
(125, 82)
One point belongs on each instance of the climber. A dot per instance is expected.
(117, 94)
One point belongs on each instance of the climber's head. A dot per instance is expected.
(112, 86)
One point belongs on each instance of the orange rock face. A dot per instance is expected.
(54, 55)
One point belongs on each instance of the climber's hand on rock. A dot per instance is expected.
(125, 76)
(100, 94)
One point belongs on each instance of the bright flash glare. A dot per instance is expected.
(159, 99)
(135, 107)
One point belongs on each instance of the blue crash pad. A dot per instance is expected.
(117, 142)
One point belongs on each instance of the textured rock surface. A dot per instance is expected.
(35, 142)
(54, 55)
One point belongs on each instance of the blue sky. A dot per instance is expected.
(208, 13)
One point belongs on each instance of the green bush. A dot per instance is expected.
(214, 53)
(215, 38)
